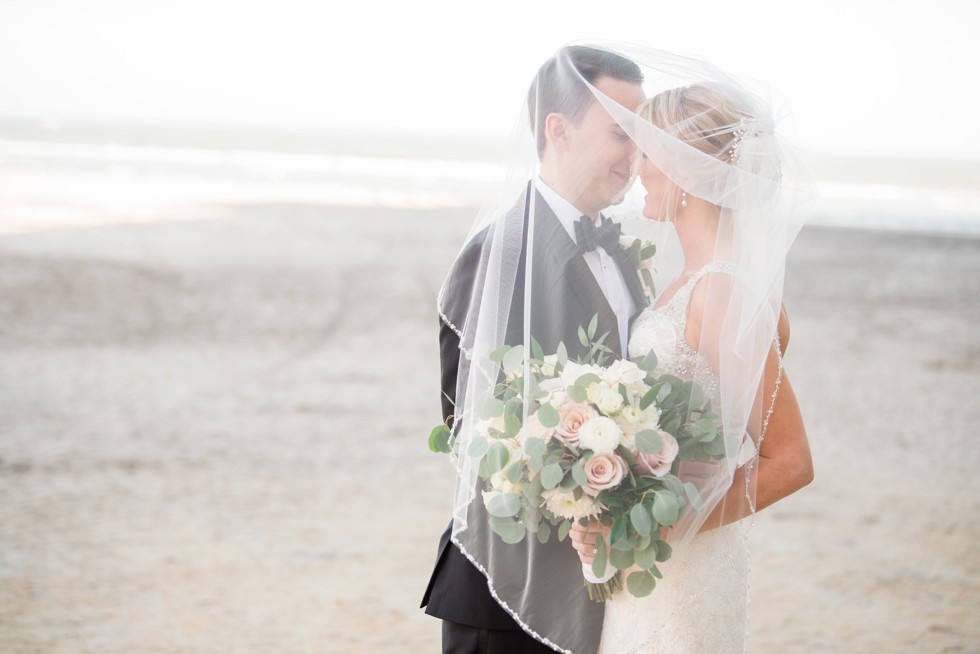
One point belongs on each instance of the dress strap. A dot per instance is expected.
(683, 295)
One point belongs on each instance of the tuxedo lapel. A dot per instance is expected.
(561, 256)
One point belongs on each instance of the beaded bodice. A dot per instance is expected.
(661, 330)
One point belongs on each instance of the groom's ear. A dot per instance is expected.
(556, 130)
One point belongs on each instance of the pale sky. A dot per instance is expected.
(870, 76)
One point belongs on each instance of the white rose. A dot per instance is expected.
(601, 435)
(572, 371)
(602, 395)
(627, 373)
(555, 390)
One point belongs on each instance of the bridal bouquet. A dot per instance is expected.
(560, 440)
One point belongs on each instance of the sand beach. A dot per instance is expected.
(213, 422)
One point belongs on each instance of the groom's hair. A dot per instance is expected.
(556, 89)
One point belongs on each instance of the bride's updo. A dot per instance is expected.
(702, 115)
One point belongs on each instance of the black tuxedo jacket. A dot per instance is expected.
(564, 295)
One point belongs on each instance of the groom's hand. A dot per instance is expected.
(583, 539)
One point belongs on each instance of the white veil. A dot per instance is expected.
(520, 286)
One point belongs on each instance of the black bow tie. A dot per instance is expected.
(590, 237)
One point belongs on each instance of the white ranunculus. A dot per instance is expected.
(607, 399)
(601, 435)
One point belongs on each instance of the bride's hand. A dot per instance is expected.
(583, 539)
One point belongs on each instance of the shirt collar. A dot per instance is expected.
(566, 212)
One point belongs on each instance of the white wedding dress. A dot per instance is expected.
(701, 604)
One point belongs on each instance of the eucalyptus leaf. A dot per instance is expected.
(497, 457)
(649, 442)
(514, 472)
(664, 550)
(593, 325)
(640, 519)
(536, 350)
(492, 408)
(514, 359)
(665, 508)
(577, 393)
(599, 563)
(562, 353)
(640, 584)
(544, 532)
(621, 559)
(498, 355)
(568, 482)
(551, 475)
(478, 447)
(646, 558)
(548, 416)
(439, 439)
(534, 446)
(563, 529)
(512, 424)
(508, 529)
(578, 473)
(504, 505)
(619, 535)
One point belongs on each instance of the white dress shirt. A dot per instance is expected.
(600, 262)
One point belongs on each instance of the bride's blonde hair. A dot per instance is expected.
(703, 115)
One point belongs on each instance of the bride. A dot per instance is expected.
(701, 603)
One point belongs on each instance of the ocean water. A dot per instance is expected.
(53, 175)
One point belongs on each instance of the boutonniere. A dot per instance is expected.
(641, 254)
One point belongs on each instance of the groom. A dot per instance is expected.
(585, 161)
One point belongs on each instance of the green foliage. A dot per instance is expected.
(509, 530)
(640, 519)
(665, 508)
(551, 475)
(649, 442)
(646, 558)
(497, 457)
(439, 439)
(504, 505)
(640, 583)
(600, 561)
(548, 416)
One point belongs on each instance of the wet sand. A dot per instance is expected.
(213, 437)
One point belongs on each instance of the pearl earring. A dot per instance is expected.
(683, 198)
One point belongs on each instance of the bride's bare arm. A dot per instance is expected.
(784, 464)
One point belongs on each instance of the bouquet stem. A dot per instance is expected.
(604, 591)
